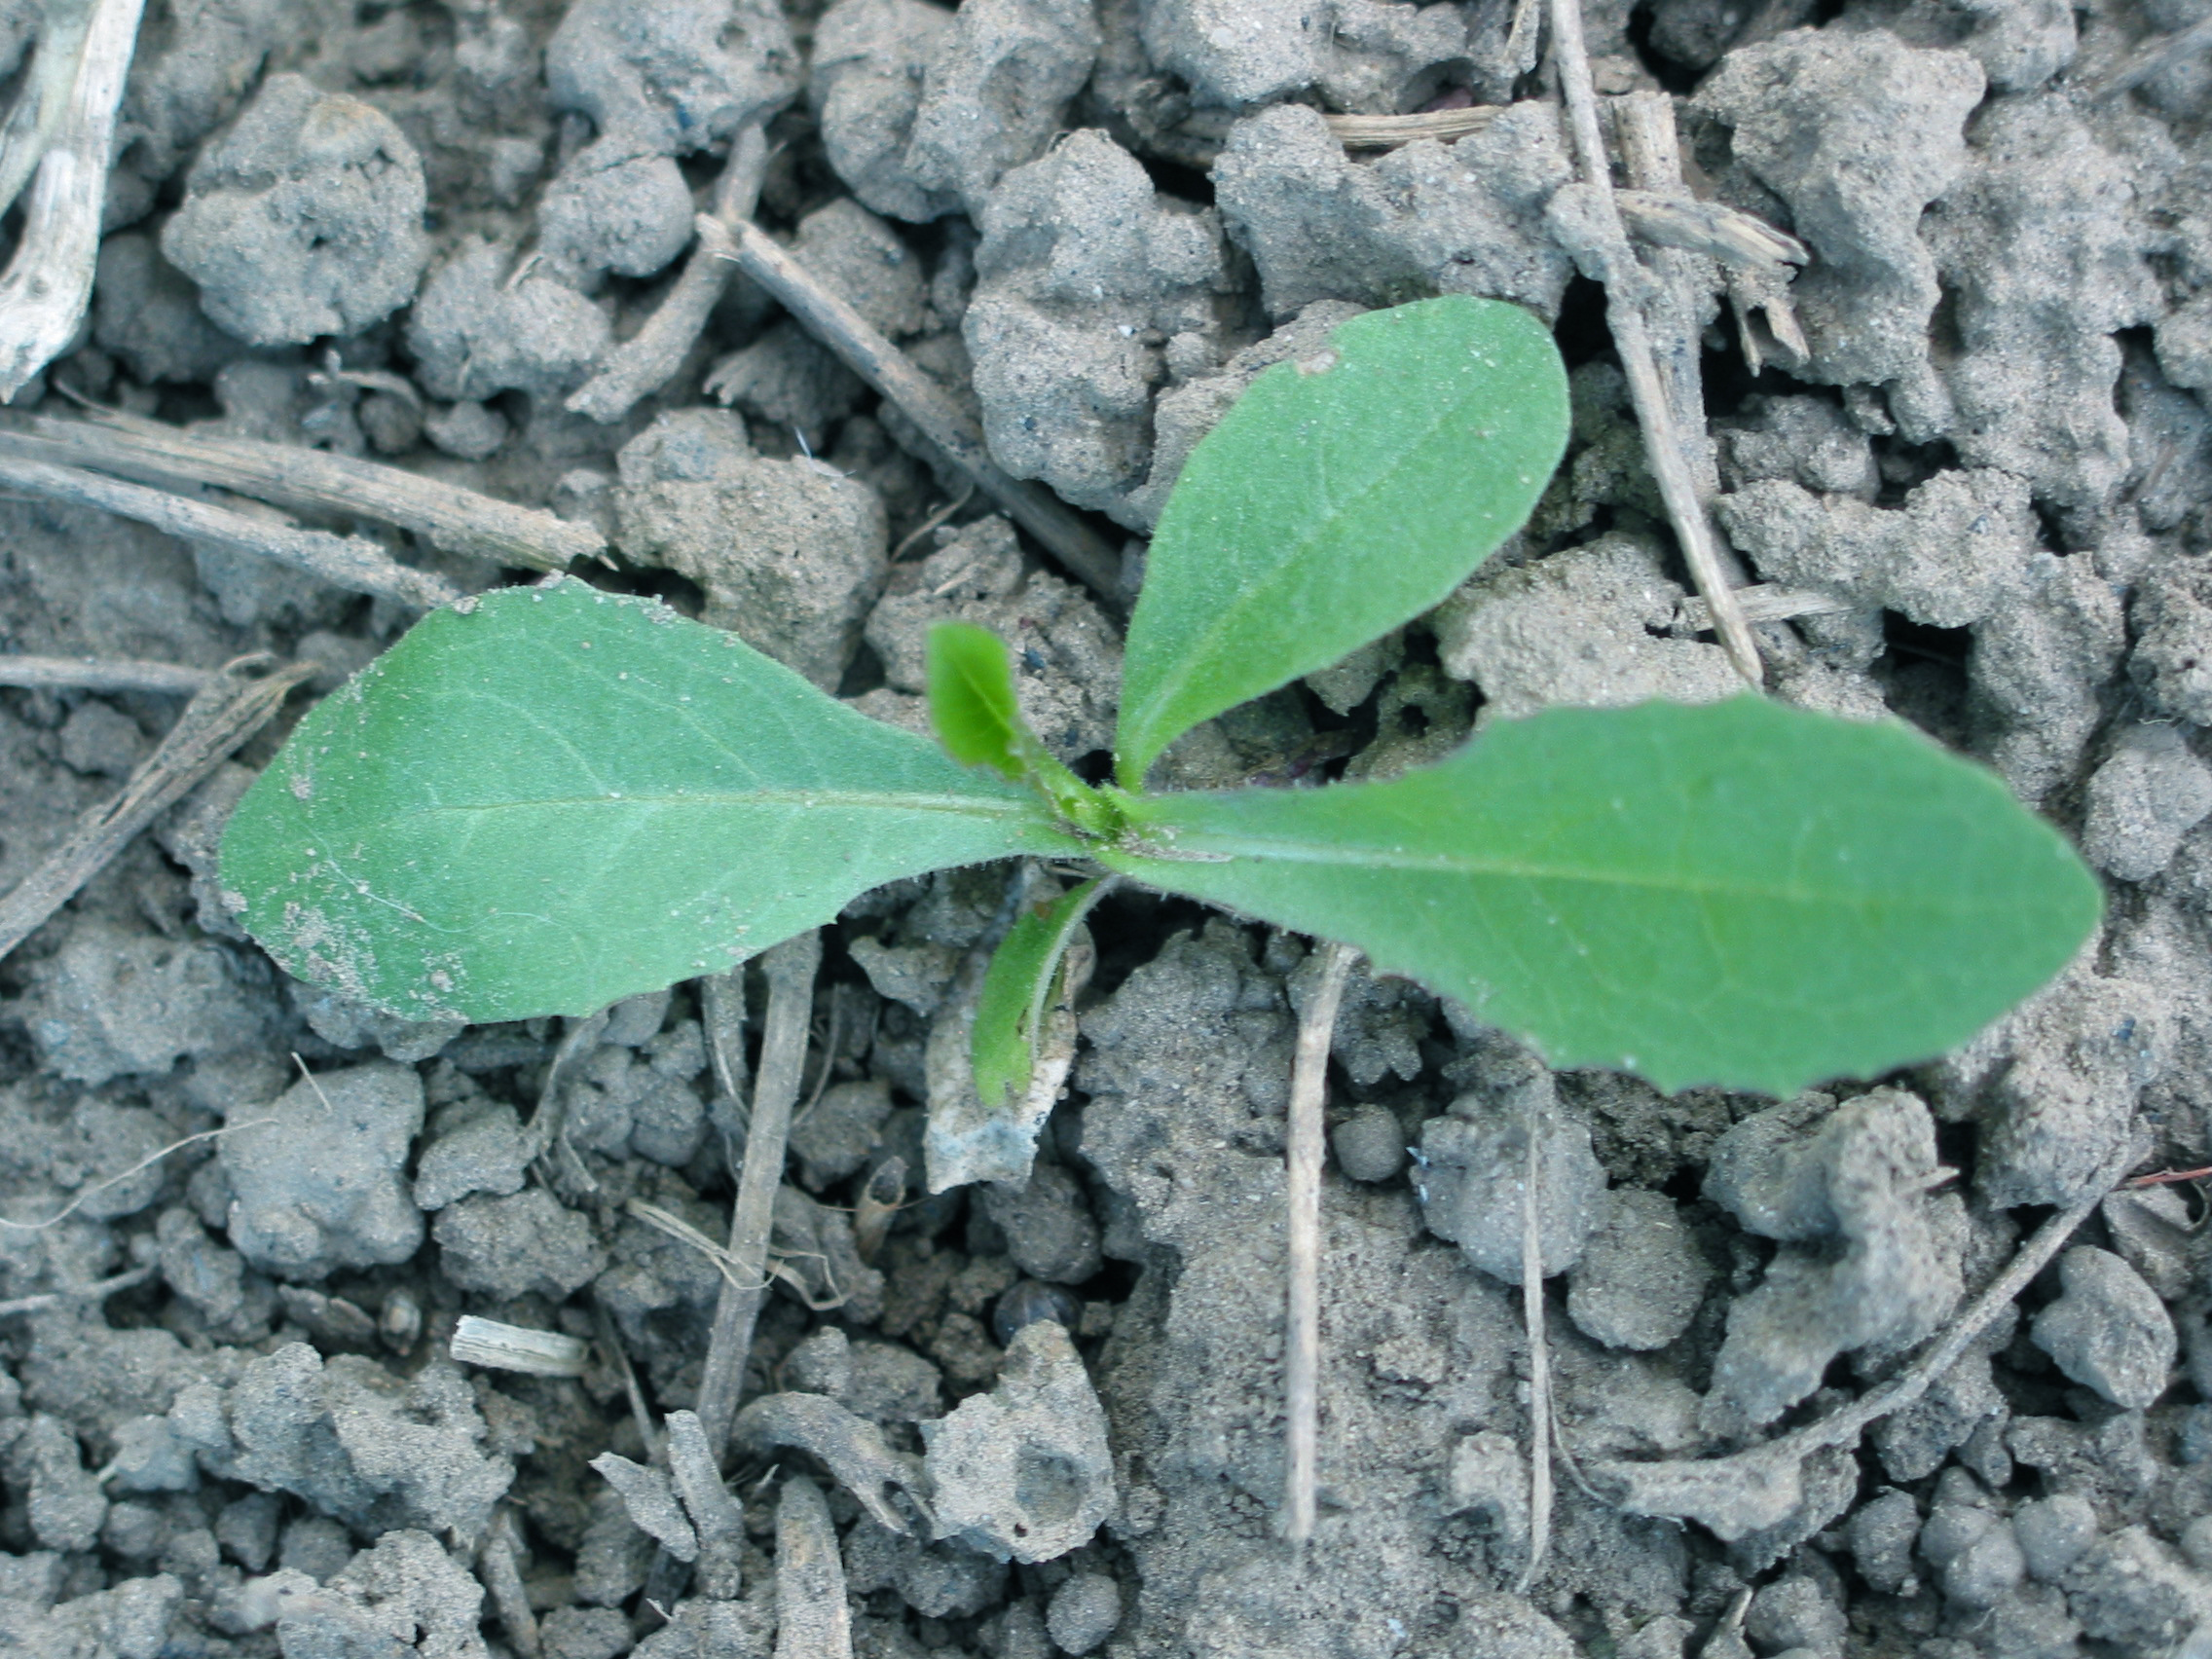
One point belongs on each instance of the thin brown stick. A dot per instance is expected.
(1632, 338)
(99, 674)
(825, 315)
(648, 359)
(349, 562)
(1302, 1201)
(220, 717)
(446, 515)
(1685, 1486)
(791, 967)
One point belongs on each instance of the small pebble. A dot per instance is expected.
(1369, 1145)
(2108, 1330)
(1083, 1612)
(2053, 1532)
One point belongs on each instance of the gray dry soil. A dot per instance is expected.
(410, 231)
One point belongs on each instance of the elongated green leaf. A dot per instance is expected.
(563, 797)
(973, 705)
(1740, 894)
(1010, 1008)
(1340, 496)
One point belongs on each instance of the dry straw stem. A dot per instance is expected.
(1768, 602)
(220, 717)
(75, 86)
(1539, 1350)
(649, 358)
(791, 967)
(449, 517)
(1699, 1488)
(1662, 442)
(97, 674)
(517, 1348)
(827, 316)
(349, 562)
(1389, 132)
(1302, 1201)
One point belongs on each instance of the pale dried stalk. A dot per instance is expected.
(827, 316)
(57, 59)
(1302, 1203)
(2157, 57)
(50, 279)
(99, 674)
(349, 562)
(220, 717)
(517, 1348)
(1624, 313)
(1540, 1349)
(1389, 132)
(446, 515)
(1766, 603)
(811, 1620)
(648, 359)
(791, 967)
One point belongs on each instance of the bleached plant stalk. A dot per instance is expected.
(1302, 1201)
(49, 282)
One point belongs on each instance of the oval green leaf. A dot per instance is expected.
(560, 797)
(972, 701)
(1740, 894)
(1337, 499)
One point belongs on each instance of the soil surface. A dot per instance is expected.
(1971, 436)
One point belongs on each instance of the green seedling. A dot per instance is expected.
(551, 798)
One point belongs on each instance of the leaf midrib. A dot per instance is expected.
(1287, 850)
(955, 805)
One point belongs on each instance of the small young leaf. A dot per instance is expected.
(1340, 496)
(563, 797)
(1009, 1009)
(973, 705)
(1740, 894)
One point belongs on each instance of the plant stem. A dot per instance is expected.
(791, 967)
(1302, 1348)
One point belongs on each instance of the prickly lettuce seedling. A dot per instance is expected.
(553, 798)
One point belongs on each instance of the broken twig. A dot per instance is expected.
(1539, 1346)
(83, 60)
(2157, 57)
(128, 1279)
(349, 562)
(222, 715)
(446, 515)
(1389, 132)
(827, 316)
(502, 1578)
(97, 674)
(517, 1348)
(1302, 1201)
(648, 359)
(791, 967)
(1663, 443)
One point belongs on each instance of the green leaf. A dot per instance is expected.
(1740, 894)
(1009, 1006)
(562, 797)
(1337, 499)
(973, 705)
